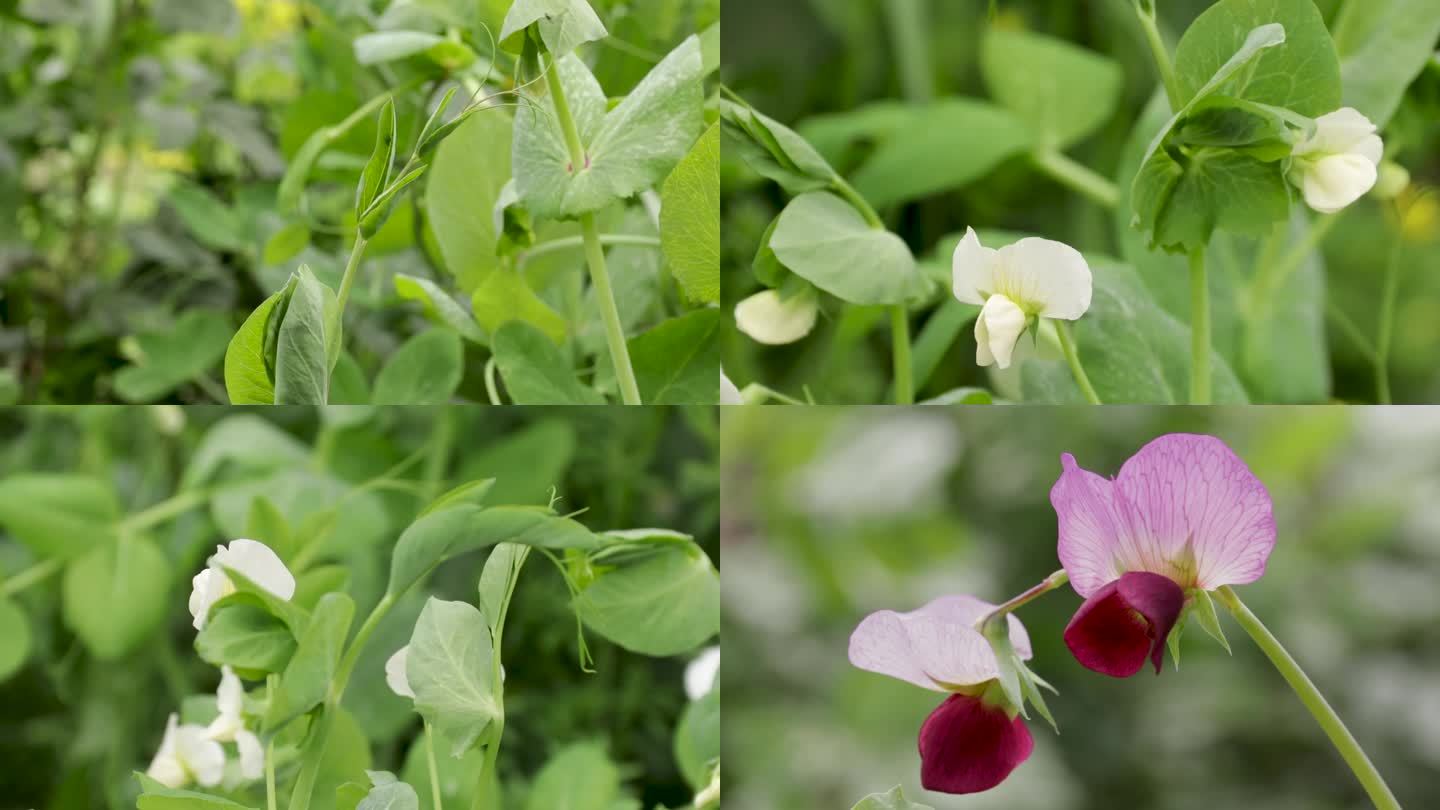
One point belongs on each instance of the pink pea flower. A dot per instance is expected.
(974, 739)
(1184, 517)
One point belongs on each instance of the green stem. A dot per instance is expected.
(1271, 276)
(907, 23)
(900, 351)
(1072, 356)
(36, 573)
(352, 268)
(434, 770)
(438, 456)
(1315, 702)
(270, 682)
(570, 242)
(1387, 322)
(1145, 10)
(1077, 177)
(614, 330)
(1025, 597)
(844, 189)
(163, 511)
(1199, 330)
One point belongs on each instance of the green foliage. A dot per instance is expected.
(451, 670)
(1062, 92)
(58, 515)
(1383, 46)
(534, 370)
(424, 371)
(312, 669)
(579, 776)
(115, 595)
(892, 799)
(697, 740)
(663, 600)
(169, 358)
(675, 362)
(690, 219)
(825, 241)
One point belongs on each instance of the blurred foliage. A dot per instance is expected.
(815, 64)
(76, 726)
(830, 514)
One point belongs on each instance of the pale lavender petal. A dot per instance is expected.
(1197, 507)
(1093, 527)
(934, 646)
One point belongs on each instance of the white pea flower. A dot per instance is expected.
(1032, 278)
(729, 394)
(395, 673)
(702, 673)
(229, 725)
(1337, 164)
(187, 754)
(253, 559)
(768, 318)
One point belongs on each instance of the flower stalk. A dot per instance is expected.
(1072, 356)
(1199, 330)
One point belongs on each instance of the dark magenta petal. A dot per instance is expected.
(1124, 623)
(967, 746)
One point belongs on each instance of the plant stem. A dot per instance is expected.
(434, 770)
(1159, 52)
(594, 251)
(569, 242)
(159, 513)
(1199, 330)
(1315, 702)
(1046, 585)
(270, 682)
(36, 573)
(900, 351)
(437, 457)
(1078, 177)
(844, 189)
(1072, 356)
(907, 23)
(1271, 276)
(351, 270)
(1387, 322)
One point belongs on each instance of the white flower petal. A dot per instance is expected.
(207, 588)
(201, 756)
(165, 768)
(252, 756)
(1335, 181)
(1371, 148)
(729, 394)
(702, 673)
(972, 269)
(259, 564)
(1336, 132)
(1045, 277)
(230, 700)
(998, 327)
(395, 673)
(769, 319)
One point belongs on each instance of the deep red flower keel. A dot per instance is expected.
(1124, 623)
(967, 746)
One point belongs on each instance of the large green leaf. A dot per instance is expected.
(58, 514)
(471, 165)
(425, 370)
(248, 380)
(1383, 46)
(564, 24)
(451, 669)
(505, 295)
(627, 149)
(307, 676)
(439, 306)
(664, 601)
(116, 595)
(1061, 91)
(188, 348)
(824, 240)
(245, 637)
(302, 367)
(534, 371)
(14, 638)
(690, 219)
(579, 777)
(697, 739)
(678, 361)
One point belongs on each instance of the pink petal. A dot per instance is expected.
(967, 747)
(934, 647)
(1185, 506)
(1124, 623)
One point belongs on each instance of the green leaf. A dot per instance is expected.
(892, 799)
(377, 170)
(14, 638)
(666, 601)
(1061, 91)
(471, 165)
(212, 222)
(526, 464)
(564, 25)
(1383, 46)
(247, 379)
(505, 296)
(439, 306)
(775, 151)
(1172, 641)
(697, 740)
(678, 361)
(244, 442)
(938, 335)
(534, 371)
(690, 219)
(386, 46)
(389, 794)
(1133, 351)
(307, 677)
(457, 775)
(58, 514)
(450, 668)
(497, 583)
(824, 240)
(302, 367)
(471, 492)
(116, 595)
(1209, 621)
(286, 243)
(168, 358)
(578, 777)
(155, 796)
(1302, 75)
(425, 370)
(1213, 188)
(296, 618)
(628, 149)
(247, 638)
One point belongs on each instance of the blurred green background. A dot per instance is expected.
(830, 514)
(73, 725)
(805, 62)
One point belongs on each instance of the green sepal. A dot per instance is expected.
(1209, 620)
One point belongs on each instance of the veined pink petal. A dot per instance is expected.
(1124, 623)
(935, 646)
(967, 746)
(1185, 506)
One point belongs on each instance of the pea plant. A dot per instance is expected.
(1265, 131)
(359, 643)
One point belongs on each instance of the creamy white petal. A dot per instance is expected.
(729, 394)
(207, 588)
(1338, 131)
(201, 756)
(259, 563)
(395, 673)
(252, 756)
(769, 319)
(1045, 277)
(165, 768)
(972, 269)
(1335, 181)
(702, 673)
(1371, 148)
(230, 700)
(1000, 323)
